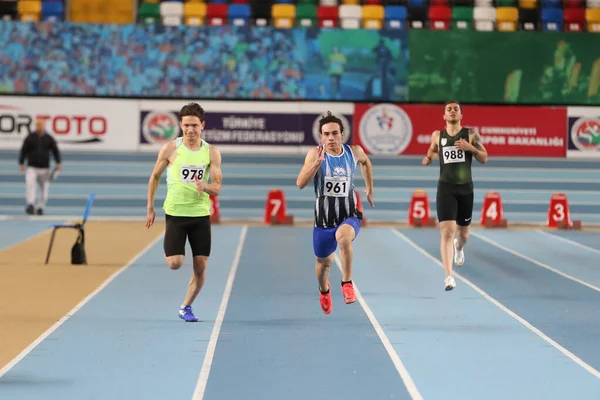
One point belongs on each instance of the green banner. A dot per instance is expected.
(504, 67)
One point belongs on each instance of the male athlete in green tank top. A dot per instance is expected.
(190, 163)
(189, 166)
(456, 146)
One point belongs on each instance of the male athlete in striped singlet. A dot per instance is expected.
(456, 147)
(189, 161)
(331, 167)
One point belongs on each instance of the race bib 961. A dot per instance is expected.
(337, 186)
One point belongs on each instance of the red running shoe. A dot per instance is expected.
(348, 292)
(326, 301)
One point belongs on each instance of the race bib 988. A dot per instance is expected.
(451, 154)
(337, 186)
(188, 173)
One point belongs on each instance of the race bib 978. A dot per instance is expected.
(451, 154)
(337, 186)
(188, 173)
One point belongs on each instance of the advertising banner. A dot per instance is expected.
(257, 125)
(583, 132)
(76, 124)
(506, 131)
(489, 67)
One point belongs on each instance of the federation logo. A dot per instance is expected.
(347, 129)
(385, 129)
(160, 127)
(585, 134)
(339, 171)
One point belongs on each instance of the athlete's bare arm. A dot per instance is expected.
(216, 175)
(367, 171)
(433, 149)
(312, 163)
(479, 151)
(161, 163)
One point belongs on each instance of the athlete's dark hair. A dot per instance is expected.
(330, 118)
(453, 102)
(192, 110)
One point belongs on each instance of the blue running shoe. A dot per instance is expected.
(186, 314)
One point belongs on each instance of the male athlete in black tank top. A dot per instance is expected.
(456, 147)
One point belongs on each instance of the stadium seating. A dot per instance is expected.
(89, 11)
(32, 10)
(482, 15)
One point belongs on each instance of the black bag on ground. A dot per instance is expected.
(78, 251)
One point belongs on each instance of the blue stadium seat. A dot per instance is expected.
(239, 14)
(551, 4)
(552, 19)
(395, 17)
(53, 11)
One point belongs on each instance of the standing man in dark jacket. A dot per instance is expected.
(36, 148)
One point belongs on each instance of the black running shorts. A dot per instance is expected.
(455, 203)
(194, 229)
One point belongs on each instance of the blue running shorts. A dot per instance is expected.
(324, 242)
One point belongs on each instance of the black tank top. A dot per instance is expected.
(455, 164)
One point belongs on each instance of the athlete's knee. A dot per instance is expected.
(344, 237)
(447, 229)
(325, 262)
(463, 233)
(175, 262)
(200, 263)
(345, 242)
(447, 234)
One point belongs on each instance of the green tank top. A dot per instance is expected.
(455, 164)
(182, 199)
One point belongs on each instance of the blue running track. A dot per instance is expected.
(522, 323)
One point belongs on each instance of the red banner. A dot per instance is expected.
(513, 131)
